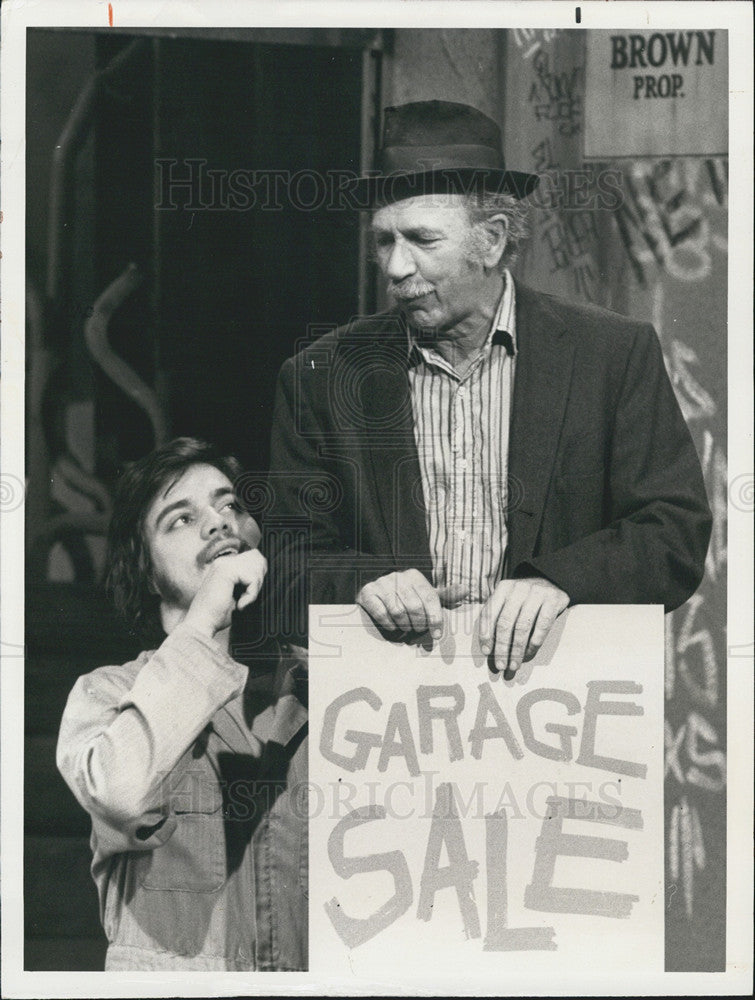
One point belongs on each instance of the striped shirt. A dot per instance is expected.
(461, 428)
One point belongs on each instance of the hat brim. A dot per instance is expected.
(366, 192)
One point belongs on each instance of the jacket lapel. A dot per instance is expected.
(240, 722)
(394, 465)
(270, 708)
(229, 724)
(545, 355)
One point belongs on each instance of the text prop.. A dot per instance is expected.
(462, 823)
(656, 93)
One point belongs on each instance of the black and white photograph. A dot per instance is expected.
(377, 498)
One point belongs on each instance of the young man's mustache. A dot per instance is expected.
(217, 545)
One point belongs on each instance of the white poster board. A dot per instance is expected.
(463, 825)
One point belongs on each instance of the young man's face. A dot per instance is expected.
(425, 249)
(193, 520)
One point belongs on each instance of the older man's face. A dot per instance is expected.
(427, 251)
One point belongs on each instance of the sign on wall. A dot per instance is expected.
(658, 254)
(462, 824)
(656, 93)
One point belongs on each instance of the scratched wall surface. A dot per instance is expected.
(449, 64)
(648, 238)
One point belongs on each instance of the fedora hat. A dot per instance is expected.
(439, 146)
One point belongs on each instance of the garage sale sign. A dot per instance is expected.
(463, 824)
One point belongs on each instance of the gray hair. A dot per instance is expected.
(483, 205)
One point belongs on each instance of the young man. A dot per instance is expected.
(188, 764)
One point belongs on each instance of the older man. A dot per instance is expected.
(481, 441)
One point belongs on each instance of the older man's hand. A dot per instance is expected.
(403, 601)
(517, 617)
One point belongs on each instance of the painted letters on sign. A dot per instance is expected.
(664, 88)
(475, 823)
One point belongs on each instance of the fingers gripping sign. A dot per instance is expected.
(214, 603)
(404, 601)
(517, 617)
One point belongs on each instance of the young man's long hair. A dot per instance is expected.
(128, 564)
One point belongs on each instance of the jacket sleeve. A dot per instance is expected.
(122, 737)
(314, 558)
(653, 548)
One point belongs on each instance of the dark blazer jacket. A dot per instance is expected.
(606, 495)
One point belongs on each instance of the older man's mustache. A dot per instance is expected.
(409, 290)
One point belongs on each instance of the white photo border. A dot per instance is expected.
(17, 16)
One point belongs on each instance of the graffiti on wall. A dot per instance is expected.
(672, 225)
(563, 231)
(530, 41)
(563, 219)
(673, 216)
(647, 233)
(695, 722)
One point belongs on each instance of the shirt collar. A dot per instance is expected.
(502, 331)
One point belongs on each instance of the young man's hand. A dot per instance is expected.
(214, 603)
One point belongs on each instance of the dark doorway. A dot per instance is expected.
(205, 162)
(234, 216)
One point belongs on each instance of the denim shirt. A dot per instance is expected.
(194, 774)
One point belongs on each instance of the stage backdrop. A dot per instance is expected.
(647, 236)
